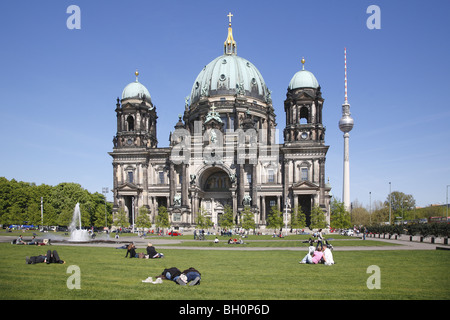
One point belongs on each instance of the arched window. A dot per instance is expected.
(130, 121)
(304, 115)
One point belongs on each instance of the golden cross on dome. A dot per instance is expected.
(229, 15)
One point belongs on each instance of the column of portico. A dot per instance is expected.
(295, 200)
(172, 184)
(254, 186)
(145, 193)
(263, 210)
(184, 185)
(241, 185)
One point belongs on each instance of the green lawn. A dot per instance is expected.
(230, 275)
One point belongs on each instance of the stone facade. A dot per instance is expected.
(223, 150)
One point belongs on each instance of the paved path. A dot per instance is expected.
(161, 244)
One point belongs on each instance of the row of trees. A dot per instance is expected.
(20, 203)
(275, 220)
(402, 207)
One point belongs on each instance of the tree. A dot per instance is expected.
(121, 218)
(226, 219)
(317, 218)
(162, 219)
(65, 217)
(143, 219)
(359, 216)
(275, 218)
(298, 219)
(248, 219)
(66, 195)
(20, 202)
(50, 215)
(203, 221)
(33, 214)
(14, 215)
(380, 213)
(340, 217)
(400, 204)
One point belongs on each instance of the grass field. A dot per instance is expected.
(230, 275)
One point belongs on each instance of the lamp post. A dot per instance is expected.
(390, 203)
(370, 207)
(446, 202)
(42, 211)
(132, 212)
(286, 205)
(105, 192)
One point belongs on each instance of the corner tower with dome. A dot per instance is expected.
(223, 149)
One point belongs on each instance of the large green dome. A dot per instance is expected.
(227, 75)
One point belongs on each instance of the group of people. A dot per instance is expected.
(189, 276)
(317, 255)
(33, 241)
(235, 241)
(200, 235)
(150, 253)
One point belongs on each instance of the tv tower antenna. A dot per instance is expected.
(346, 125)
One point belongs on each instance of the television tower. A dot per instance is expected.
(346, 125)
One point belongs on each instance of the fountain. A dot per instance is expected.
(80, 236)
(77, 234)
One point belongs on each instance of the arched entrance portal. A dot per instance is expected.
(215, 192)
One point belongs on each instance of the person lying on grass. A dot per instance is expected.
(50, 257)
(189, 276)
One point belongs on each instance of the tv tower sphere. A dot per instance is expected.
(346, 122)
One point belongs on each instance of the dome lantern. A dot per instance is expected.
(230, 75)
(229, 46)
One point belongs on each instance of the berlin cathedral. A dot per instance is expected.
(223, 148)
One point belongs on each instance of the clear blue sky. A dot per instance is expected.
(59, 86)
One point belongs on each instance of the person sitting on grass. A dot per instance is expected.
(50, 257)
(314, 258)
(33, 241)
(19, 240)
(328, 255)
(151, 252)
(131, 249)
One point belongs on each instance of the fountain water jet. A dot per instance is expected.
(77, 234)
